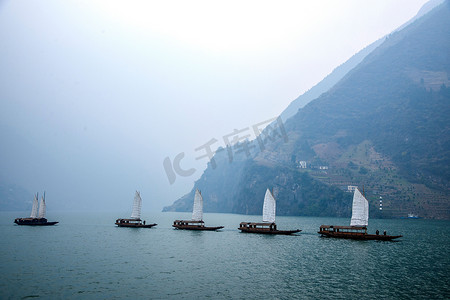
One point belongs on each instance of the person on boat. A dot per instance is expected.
(384, 232)
(144, 222)
(378, 232)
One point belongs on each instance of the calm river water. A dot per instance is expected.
(86, 256)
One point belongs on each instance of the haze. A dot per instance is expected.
(95, 95)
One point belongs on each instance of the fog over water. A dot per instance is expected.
(95, 95)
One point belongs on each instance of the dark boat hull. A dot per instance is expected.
(133, 223)
(195, 227)
(136, 225)
(34, 222)
(364, 237)
(267, 231)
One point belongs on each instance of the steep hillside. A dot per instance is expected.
(338, 73)
(385, 125)
(328, 82)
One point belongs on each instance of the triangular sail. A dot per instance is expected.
(360, 210)
(197, 211)
(34, 209)
(137, 204)
(269, 207)
(42, 208)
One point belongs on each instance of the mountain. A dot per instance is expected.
(339, 72)
(328, 82)
(384, 126)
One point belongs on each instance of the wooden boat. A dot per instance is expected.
(34, 222)
(135, 220)
(353, 232)
(265, 228)
(268, 225)
(136, 223)
(36, 218)
(358, 224)
(413, 216)
(197, 217)
(193, 225)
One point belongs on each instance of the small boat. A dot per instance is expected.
(413, 216)
(135, 220)
(268, 225)
(36, 218)
(358, 224)
(197, 217)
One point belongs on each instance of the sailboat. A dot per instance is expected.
(135, 219)
(37, 216)
(196, 223)
(358, 223)
(268, 225)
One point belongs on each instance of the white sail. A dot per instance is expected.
(269, 207)
(197, 211)
(360, 210)
(34, 209)
(136, 213)
(42, 208)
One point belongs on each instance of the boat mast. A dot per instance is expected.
(34, 209)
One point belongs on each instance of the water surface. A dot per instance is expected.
(86, 256)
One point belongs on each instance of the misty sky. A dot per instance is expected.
(94, 95)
